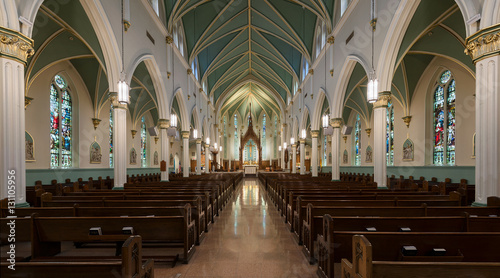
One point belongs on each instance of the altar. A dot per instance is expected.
(249, 170)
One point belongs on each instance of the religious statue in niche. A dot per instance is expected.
(95, 153)
(29, 147)
(155, 159)
(369, 154)
(408, 150)
(330, 158)
(345, 157)
(133, 156)
(171, 160)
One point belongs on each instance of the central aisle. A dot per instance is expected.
(249, 239)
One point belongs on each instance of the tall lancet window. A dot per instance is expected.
(444, 120)
(236, 150)
(225, 139)
(390, 135)
(61, 113)
(264, 134)
(111, 137)
(357, 142)
(144, 144)
(275, 137)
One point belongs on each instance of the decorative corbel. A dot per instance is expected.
(27, 101)
(96, 122)
(133, 133)
(407, 121)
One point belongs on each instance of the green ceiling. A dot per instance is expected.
(234, 40)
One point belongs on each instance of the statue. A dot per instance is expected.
(369, 154)
(95, 153)
(408, 150)
(29, 155)
(155, 159)
(133, 156)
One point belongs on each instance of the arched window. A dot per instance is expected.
(264, 134)
(390, 135)
(324, 150)
(343, 6)
(357, 142)
(275, 136)
(236, 151)
(144, 162)
(319, 45)
(194, 66)
(225, 138)
(111, 137)
(61, 113)
(305, 68)
(444, 120)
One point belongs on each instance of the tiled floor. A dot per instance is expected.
(249, 239)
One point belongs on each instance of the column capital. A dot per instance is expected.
(113, 98)
(484, 43)
(185, 134)
(311, 71)
(368, 131)
(336, 122)
(382, 100)
(189, 71)
(302, 141)
(27, 101)
(294, 146)
(198, 141)
(169, 39)
(331, 40)
(15, 45)
(314, 133)
(284, 125)
(163, 123)
(207, 146)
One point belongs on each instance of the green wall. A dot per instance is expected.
(47, 175)
(440, 172)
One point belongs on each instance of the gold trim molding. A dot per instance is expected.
(382, 100)
(27, 101)
(336, 122)
(126, 25)
(314, 133)
(15, 45)
(484, 43)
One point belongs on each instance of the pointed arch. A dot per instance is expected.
(305, 116)
(316, 116)
(344, 77)
(196, 119)
(182, 109)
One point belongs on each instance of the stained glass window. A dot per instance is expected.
(357, 143)
(264, 134)
(236, 151)
(144, 162)
(225, 139)
(389, 135)
(111, 137)
(275, 137)
(61, 113)
(444, 120)
(324, 150)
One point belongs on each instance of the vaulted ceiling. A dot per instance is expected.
(252, 40)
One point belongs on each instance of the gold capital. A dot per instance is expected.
(383, 100)
(96, 122)
(311, 71)
(163, 123)
(314, 133)
(484, 43)
(185, 134)
(15, 45)
(336, 122)
(407, 121)
(331, 40)
(133, 133)
(169, 40)
(27, 101)
(189, 71)
(368, 131)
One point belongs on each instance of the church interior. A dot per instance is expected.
(250, 138)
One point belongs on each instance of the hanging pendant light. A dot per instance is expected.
(372, 89)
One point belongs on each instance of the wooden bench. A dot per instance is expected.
(335, 245)
(128, 265)
(364, 264)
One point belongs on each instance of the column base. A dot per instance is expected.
(164, 181)
(382, 187)
(335, 180)
(476, 204)
(23, 205)
(118, 188)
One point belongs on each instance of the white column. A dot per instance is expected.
(379, 139)
(229, 152)
(165, 146)
(120, 154)
(302, 156)
(13, 167)
(198, 156)
(185, 155)
(207, 160)
(314, 150)
(294, 159)
(336, 123)
(487, 129)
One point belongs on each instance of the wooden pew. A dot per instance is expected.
(365, 264)
(463, 246)
(47, 233)
(129, 265)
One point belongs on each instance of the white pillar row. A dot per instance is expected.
(379, 139)
(315, 152)
(15, 49)
(294, 158)
(198, 156)
(336, 123)
(283, 164)
(165, 146)
(207, 160)
(485, 53)
(229, 152)
(185, 154)
(302, 156)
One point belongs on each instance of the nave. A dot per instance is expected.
(249, 239)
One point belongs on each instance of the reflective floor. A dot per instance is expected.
(249, 239)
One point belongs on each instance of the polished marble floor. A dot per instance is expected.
(249, 239)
